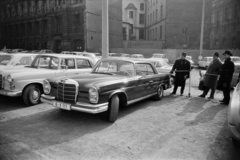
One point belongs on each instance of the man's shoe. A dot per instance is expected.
(222, 101)
(210, 98)
(173, 93)
(201, 96)
(227, 103)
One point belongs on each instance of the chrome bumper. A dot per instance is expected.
(235, 132)
(81, 107)
(10, 93)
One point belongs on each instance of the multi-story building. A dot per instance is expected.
(177, 23)
(225, 24)
(133, 15)
(58, 24)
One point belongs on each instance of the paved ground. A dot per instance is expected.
(177, 127)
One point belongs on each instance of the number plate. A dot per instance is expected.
(62, 105)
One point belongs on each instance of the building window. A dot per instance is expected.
(161, 32)
(124, 30)
(142, 6)
(141, 34)
(148, 20)
(44, 27)
(130, 14)
(155, 33)
(59, 23)
(29, 7)
(156, 15)
(153, 17)
(234, 41)
(141, 18)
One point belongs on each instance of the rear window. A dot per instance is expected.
(4, 59)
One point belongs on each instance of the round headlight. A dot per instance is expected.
(10, 79)
(46, 87)
(93, 95)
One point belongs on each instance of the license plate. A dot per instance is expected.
(62, 105)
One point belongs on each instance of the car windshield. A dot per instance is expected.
(160, 64)
(236, 59)
(47, 62)
(5, 59)
(88, 55)
(115, 67)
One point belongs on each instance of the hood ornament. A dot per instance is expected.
(63, 80)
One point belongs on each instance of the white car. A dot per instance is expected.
(234, 115)
(160, 55)
(16, 60)
(204, 63)
(137, 56)
(92, 56)
(45, 51)
(189, 58)
(28, 81)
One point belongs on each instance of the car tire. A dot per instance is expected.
(32, 94)
(113, 108)
(159, 94)
(235, 142)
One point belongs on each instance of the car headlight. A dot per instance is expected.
(46, 86)
(93, 95)
(10, 78)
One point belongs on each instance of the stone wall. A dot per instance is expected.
(172, 54)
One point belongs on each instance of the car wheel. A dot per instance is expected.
(32, 94)
(206, 67)
(113, 108)
(235, 142)
(199, 66)
(159, 94)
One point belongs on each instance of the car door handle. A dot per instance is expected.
(76, 73)
(151, 81)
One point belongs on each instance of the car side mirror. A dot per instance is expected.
(143, 75)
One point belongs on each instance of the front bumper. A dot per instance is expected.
(235, 132)
(10, 93)
(81, 107)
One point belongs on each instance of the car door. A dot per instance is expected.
(83, 66)
(25, 61)
(147, 80)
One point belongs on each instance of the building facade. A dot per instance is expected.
(58, 24)
(225, 24)
(133, 15)
(177, 23)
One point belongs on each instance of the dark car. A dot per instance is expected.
(111, 84)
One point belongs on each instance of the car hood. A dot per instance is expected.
(2, 68)
(98, 80)
(165, 69)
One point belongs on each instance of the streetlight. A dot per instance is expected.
(202, 31)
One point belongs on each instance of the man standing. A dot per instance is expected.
(182, 68)
(211, 76)
(226, 77)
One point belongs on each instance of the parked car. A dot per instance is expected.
(45, 51)
(113, 83)
(17, 59)
(234, 115)
(160, 55)
(235, 74)
(137, 56)
(27, 82)
(189, 58)
(124, 55)
(92, 56)
(115, 54)
(35, 51)
(17, 50)
(66, 52)
(2, 53)
(204, 63)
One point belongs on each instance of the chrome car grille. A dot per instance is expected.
(67, 91)
(1, 81)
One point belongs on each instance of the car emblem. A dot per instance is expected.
(63, 80)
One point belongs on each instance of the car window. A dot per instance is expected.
(47, 62)
(158, 64)
(83, 63)
(5, 59)
(235, 59)
(25, 61)
(68, 63)
(54, 63)
(144, 69)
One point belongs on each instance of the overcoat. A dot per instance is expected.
(182, 68)
(227, 71)
(212, 73)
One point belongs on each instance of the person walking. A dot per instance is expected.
(182, 68)
(226, 75)
(211, 76)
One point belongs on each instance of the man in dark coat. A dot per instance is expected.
(226, 76)
(182, 68)
(211, 76)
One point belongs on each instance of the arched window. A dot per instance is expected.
(234, 41)
(216, 42)
(142, 6)
(130, 14)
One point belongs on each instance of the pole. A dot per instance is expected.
(105, 36)
(189, 92)
(202, 30)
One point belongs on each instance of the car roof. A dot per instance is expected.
(128, 60)
(19, 54)
(64, 56)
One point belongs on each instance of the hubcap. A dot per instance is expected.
(35, 95)
(159, 91)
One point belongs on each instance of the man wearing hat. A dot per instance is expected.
(226, 75)
(211, 76)
(182, 68)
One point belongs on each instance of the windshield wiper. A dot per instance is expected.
(103, 73)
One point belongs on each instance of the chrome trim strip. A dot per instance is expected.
(10, 93)
(139, 99)
(48, 97)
